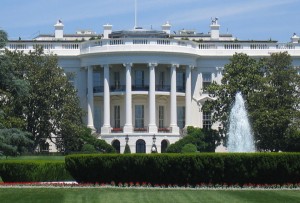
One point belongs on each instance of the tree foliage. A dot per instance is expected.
(3, 38)
(270, 87)
(206, 140)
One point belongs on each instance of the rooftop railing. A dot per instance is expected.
(148, 44)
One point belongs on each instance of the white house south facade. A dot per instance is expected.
(144, 87)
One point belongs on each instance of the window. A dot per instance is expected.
(117, 80)
(206, 81)
(164, 146)
(139, 78)
(71, 78)
(161, 116)
(116, 145)
(207, 120)
(180, 81)
(117, 116)
(139, 116)
(97, 117)
(97, 80)
(140, 146)
(181, 116)
(161, 79)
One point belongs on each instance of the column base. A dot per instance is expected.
(175, 129)
(152, 129)
(127, 129)
(92, 128)
(105, 130)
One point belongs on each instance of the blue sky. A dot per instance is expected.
(245, 19)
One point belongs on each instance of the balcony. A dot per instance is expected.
(98, 89)
(163, 88)
(118, 88)
(140, 88)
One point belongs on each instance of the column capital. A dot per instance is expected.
(104, 65)
(127, 65)
(191, 66)
(152, 64)
(175, 65)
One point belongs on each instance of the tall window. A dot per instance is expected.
(206, 81)
(181, 116)
(161, 116)
(116, 145)
(207, 120)
(139, 116)
(161, 79)
(97, 117)
(140, 146)
(180, 80)
(117, 116)
(139, 78)
(117, 79)
(71, 78)
(97, 80)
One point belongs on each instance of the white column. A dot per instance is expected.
(128, 100)
(173, 100)
(106, 99)
(152, 128)
(188, 95)
(90, 99)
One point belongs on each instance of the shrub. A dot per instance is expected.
(33, 171)
(127, 149)
(181, 169)
(189, 148)
(88, 148)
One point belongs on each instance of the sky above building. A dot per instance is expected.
(244, 19)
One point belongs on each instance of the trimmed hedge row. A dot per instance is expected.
(33, 171)
(182, 169)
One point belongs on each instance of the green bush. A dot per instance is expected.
(189, 148)
(127, 149)
(33, 171)
(88, 148)
(181, 169)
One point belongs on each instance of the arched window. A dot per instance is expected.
(116, 145)
(164, 145)
(140, 146)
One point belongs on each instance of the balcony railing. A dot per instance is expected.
(140, 88)
(163, 88)
(118, 88)
(122, 88)
(180, 88)
(98, 89)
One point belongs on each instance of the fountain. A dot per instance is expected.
(240, 138)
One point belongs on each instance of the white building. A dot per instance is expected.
(144, 86)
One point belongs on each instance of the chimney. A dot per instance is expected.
(107, 29)
(166, 28)
(214, 29)
(295, 38)
(59, 30)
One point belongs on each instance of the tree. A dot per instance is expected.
(270, 88)
(3, 38)
(127, 149)
(14, 142)
(189, 148)
(204, 140)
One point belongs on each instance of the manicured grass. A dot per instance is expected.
(58, 195)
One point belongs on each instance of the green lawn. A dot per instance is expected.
(57, 195)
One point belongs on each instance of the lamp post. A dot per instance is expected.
(126, 139)
(154, 148)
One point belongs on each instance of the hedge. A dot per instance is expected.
(182, 169)
(33, 171)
